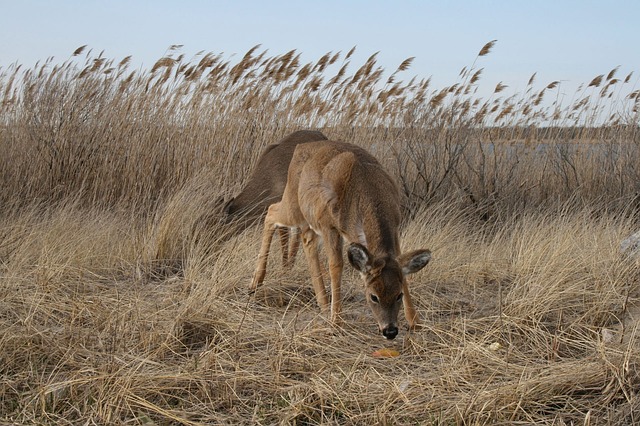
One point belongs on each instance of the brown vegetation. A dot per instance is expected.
(112, 311)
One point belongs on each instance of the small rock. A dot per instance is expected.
(631, 244)
(608, 336)
(495, 346)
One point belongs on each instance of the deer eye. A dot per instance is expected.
(374, 298)
(399, 298)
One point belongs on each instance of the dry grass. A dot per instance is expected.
(86, 337)
(123, 296)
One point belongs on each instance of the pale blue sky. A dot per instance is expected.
(572, 41)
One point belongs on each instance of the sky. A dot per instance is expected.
(567, 40)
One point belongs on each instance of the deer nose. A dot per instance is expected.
(390, 332)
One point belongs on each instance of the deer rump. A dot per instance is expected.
(265, 187)
(268, 179)
(337, 185)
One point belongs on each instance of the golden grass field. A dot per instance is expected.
(123, 294)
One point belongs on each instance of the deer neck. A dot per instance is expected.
(379, 235)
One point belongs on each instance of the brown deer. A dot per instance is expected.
(265, 187)
(338, 191)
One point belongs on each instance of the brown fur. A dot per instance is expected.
(339, 191)
(269, 178)
(265, 187)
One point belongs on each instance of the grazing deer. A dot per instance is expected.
(338, 191)
(265, 187)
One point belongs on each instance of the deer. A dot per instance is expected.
(337, 192)
(265, 187)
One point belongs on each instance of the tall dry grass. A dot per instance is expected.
(123, 296)
(96, 129)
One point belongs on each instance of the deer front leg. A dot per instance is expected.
(267, 236)
(333, 245)
(310, 245)
(409, 310)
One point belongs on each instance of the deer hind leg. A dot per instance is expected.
(289, 244)
(310, 246)
(284, 235)
(267, 235)
(294, 244)
(409, 310)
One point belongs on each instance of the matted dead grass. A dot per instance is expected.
(531, 323)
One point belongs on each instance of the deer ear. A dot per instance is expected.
(413, 261)
(359, 257)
